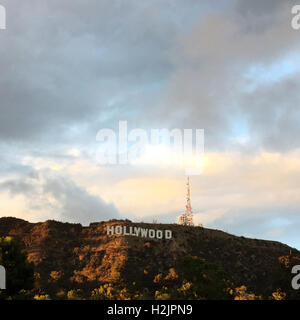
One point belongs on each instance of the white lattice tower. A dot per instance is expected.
(188, 207)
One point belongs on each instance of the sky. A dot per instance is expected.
(71, 68)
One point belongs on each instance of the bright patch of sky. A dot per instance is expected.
(260, 74)
(239, 129)
(280, 222)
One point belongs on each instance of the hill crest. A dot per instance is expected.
(68, 255)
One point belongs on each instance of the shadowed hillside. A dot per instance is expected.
(69, 256)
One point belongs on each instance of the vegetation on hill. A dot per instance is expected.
(19, 272)
(75, 262)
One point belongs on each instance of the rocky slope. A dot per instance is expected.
(72, 256)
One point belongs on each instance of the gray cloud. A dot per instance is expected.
(17, 187)
(274, 115)
(77, 204)
(51, 194)
(71, 63)
(211, 83)
(75, 67)
(277, 223)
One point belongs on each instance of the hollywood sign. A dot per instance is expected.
(139, 232)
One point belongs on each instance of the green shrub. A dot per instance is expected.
(19, 272)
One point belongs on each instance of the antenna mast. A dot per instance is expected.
(188, 210)
(186, 218)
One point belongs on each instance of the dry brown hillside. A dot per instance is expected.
(72, 256)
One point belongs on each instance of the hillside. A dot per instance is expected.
(68, 256)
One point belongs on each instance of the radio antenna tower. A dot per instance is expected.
(186, 218)
(188, 207)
